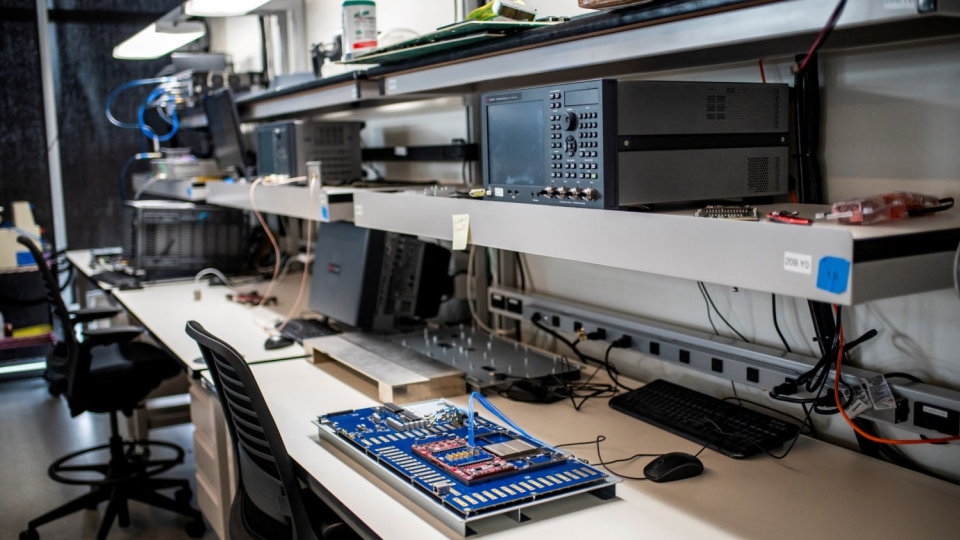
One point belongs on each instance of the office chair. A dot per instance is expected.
(269, 502)
(107, 373)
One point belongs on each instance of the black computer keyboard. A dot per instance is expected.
(730, 429)
(301, 329)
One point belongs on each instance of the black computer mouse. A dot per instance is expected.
(673, 466)
(277, 341)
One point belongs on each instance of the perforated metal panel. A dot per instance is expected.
(286, 147)
(736, 107)
(336, 148)
(763, 175)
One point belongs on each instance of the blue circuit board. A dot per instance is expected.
(427, 445)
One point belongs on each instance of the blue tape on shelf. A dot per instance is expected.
(24, 258)
(833, 274)
(325, 213)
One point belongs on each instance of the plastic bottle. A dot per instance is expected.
(359, 27)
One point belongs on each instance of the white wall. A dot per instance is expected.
(418, 123)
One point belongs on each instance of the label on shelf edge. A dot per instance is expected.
(461, 231)
(797, 262)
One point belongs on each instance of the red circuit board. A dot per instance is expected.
(468, 464)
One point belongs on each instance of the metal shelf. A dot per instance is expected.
(902, 258)
(779, 28)
(773, 29)
(326, 204)
(325, 98)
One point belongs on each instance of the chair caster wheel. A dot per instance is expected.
(195, 529)
(183, 495)
(31, 534)
(137, 453)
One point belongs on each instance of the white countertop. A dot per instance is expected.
(819, 490)
(164, 309)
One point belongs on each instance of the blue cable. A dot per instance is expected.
(147, 130)
(476, 396)
(125, 86)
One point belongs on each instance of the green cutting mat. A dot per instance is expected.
(421, 50)
(443, 38)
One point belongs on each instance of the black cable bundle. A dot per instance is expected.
(806, 85)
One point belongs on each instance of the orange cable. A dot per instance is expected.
(303, 280)
(836, 396)
(273, 241)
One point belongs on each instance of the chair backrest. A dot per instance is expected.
(68, 348)
(266, 470)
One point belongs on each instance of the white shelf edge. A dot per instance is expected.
(737, 254)
(743, 26)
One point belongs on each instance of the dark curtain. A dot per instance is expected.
(92, 150)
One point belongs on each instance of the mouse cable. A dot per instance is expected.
(604, 464)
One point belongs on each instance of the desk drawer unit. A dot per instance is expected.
(213, 455)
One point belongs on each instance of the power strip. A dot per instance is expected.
(726, 358)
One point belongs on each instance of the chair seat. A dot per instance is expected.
(123, 374)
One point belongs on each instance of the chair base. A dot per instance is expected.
(127, 462)
(124, 480)
(119, 495)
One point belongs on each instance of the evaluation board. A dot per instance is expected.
(424, 450)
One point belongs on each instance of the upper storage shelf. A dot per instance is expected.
(654, 37)
(771, 29)
(826, 262)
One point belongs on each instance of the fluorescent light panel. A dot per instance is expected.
(221, 8)
(151, 43)
(23, 367)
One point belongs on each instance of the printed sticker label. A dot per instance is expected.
(797, 262)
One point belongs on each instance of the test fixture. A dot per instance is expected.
(459, 467)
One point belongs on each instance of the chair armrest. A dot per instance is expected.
(106, 336)
(85, 315)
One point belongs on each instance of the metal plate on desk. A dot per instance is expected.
(402, 375)
(488, 360)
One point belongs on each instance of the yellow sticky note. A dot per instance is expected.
(461, 231)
